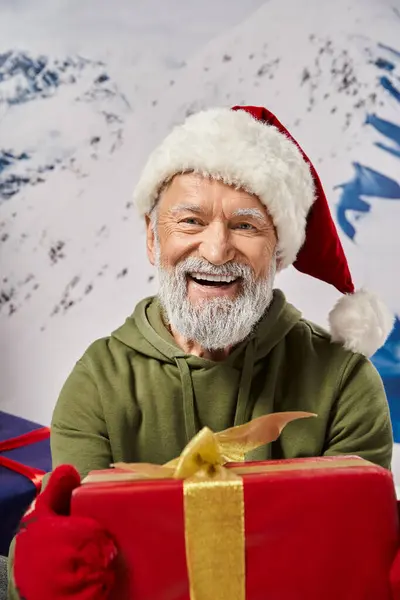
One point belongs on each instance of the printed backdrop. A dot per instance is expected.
(88, 89)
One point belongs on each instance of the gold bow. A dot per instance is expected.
(214, 502)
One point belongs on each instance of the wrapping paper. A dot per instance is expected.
(313, 528)
(24, 459)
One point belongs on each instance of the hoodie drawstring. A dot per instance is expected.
(188, 398)
(243, 403)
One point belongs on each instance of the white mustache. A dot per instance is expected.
(199, 265)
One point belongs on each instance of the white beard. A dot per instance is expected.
(219, 322)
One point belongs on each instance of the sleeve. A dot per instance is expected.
(12, 593)
(360, 421)
(79, 434)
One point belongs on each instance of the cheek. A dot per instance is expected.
(173, 249)
(259, 253)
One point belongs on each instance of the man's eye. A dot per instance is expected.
(245, 226)
(191, 221)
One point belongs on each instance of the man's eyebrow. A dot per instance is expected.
(255, 213)
(186, 207)
(249, 212)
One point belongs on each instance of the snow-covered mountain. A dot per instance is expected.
(71, 109)
(24, 78)
(73, 258)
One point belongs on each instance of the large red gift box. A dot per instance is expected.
(314, 529)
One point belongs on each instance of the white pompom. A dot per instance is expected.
(361, 322)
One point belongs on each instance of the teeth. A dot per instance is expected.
(218, 278)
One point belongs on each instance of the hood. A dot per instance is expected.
(146, 333)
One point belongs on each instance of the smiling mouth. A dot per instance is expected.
(213, 280)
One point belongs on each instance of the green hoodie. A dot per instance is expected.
(136, 396)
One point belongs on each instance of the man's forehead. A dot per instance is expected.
(197, 194)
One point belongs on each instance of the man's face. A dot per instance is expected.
(214, 247)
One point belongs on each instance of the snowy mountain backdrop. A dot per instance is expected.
(84, 97)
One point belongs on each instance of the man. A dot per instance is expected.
(229, 199)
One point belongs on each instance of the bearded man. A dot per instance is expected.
(229, 199)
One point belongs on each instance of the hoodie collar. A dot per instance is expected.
(146, 333)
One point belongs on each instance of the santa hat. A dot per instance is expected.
(248, 147)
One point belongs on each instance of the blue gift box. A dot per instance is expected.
(17, 491)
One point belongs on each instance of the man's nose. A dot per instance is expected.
(216, 246)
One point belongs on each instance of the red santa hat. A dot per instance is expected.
(248, 147)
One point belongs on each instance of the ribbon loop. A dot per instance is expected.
(209, 452)
(201, 454)
(237, 441)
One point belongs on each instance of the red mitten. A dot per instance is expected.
(58, 556)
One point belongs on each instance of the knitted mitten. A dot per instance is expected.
(58, 556)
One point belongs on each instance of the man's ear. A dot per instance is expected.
(150, 242)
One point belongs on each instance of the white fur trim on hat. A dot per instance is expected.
(239, 150)
(361, 322)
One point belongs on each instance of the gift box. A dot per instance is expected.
(302, 529)
(24, 459)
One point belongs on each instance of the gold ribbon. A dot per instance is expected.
(214, 502)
